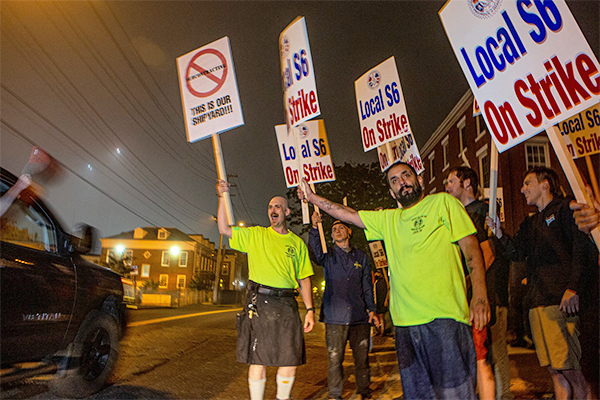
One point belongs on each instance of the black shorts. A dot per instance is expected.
(274, 337)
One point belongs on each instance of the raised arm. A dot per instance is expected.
(336, 210)
(224, 228)
(480, 308)
(314, 241)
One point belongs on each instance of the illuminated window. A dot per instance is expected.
(536, 153)
(145, 270)
(183, 259)
(180, 281)
(166, 258)
(225, 269)
(163, 233)
(163, 281)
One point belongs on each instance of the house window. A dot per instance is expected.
(445, 153)
(145, 270)
(162, 234)
(180, 281)
(431, 167)
(225, 269)
(166, 258)
(128, 258)
(484, 167)
(183, 259)
(480, 129)
(462, 135)
(163, 281)
(111, 254)
(536, 153)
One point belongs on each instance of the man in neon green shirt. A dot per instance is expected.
(270, 332)
(428, 303)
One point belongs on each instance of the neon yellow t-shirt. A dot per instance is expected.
(273, 259)
(426, 275)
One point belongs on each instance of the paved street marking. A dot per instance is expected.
(158, 320)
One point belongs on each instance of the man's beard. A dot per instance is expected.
(411, 198)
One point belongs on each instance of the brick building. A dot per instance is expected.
(463, 138)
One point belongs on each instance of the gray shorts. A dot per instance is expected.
(274, 336)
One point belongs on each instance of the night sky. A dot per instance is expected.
(83, 79)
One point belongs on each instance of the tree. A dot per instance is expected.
(202, 281)
(366, 189)
(151, 284)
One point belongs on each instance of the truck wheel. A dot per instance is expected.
(93, 357)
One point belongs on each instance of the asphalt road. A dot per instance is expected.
(189, 353)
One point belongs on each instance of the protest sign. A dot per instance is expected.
(403, 149)
(380, 104)
(378, 254)
(527, 63)
(582, 132)
(300, 99)
(309, 152)
(209, 93)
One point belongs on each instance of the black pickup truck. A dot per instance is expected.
(61, 316)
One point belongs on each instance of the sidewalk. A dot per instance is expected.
(528, 379)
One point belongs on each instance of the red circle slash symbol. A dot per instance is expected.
(195, 74)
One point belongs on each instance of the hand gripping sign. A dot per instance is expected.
(529, 67)
(298, 78)
(210, 99)
(380, 103)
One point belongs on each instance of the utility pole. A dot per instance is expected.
(218, 271)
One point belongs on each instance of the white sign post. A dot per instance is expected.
(210, 99)
(528, 66)
(380, 104)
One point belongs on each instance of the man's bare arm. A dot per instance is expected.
(306, 293)
(480, 308)
(337, 211)
(224, 228)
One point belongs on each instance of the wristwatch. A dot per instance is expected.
(310, 309)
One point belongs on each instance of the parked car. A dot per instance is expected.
(60, 314)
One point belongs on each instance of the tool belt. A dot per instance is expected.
(271, 291)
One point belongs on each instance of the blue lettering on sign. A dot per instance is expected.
(488, 57)
(300, 64)
(292, 153)
(553, 22)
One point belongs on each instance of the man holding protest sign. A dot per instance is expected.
(270, 331)
(434, 343)
(558, 258)
(348, 305)
(490, 342)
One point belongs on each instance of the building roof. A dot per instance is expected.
(174, 235)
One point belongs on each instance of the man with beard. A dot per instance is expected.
(270, 331)
(428, 302)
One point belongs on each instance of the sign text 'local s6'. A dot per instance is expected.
(526, 61)
(311, 148)
(380, 104)
(299, 87)
(209, 93)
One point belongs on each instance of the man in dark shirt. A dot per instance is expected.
(490, 342)
(557, 254)
(348, 305)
